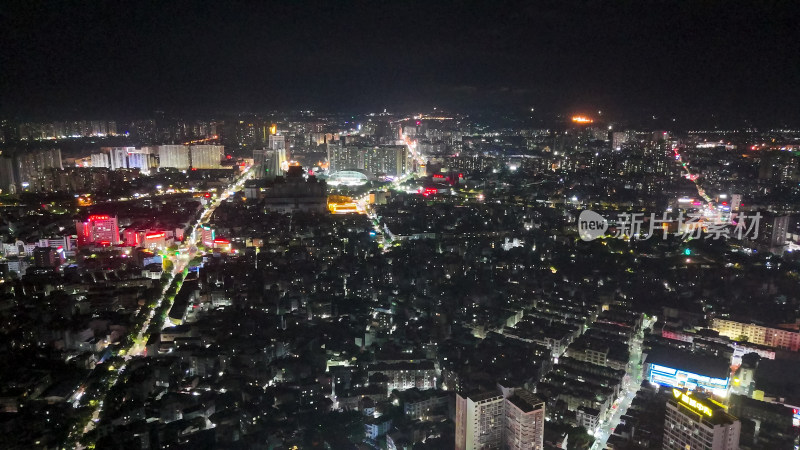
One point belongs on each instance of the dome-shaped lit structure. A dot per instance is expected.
(348, 178)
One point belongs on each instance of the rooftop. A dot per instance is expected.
(526, 401)
(701, 364)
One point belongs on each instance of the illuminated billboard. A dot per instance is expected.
(667, 376)
(692, 403)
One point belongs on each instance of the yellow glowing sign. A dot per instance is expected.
(273, 129)
(692, 403)
(582, 119)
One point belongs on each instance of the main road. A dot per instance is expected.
(363, 203)
(187, 250)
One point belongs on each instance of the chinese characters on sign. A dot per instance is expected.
(640, 226)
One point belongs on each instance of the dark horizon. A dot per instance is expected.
(711, 63)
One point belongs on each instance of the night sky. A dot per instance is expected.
(737, 60)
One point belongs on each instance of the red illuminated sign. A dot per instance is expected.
(98, 217)
(428, 191)
(155, 235)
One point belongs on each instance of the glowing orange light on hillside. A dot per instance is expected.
(582, 119)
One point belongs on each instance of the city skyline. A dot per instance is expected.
(400, 225)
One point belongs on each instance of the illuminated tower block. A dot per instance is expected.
(695, 421)
(98, 229)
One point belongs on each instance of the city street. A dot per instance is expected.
(187, 251)
(634, 379)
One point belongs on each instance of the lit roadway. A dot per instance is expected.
(630, 385)
(364, 204)
(187, 250)
(711, 211)
(700, 191)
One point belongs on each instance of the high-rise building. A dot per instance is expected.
(389, 160)
(46, 257)
(98, 229)
(617, 139)
(100, 160)
(508, 418)
(8, 181)
(277, 142)
(119, 157)
(479, 421)
(141, 158)
(524, 424)
(343, 158)
(32, 167)
(206, 156)
(207, 236)
(775, 233)
(258, 162)
(694, 421)
(757, 334)
(247, 132)
(269, 163)
(173, 156)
